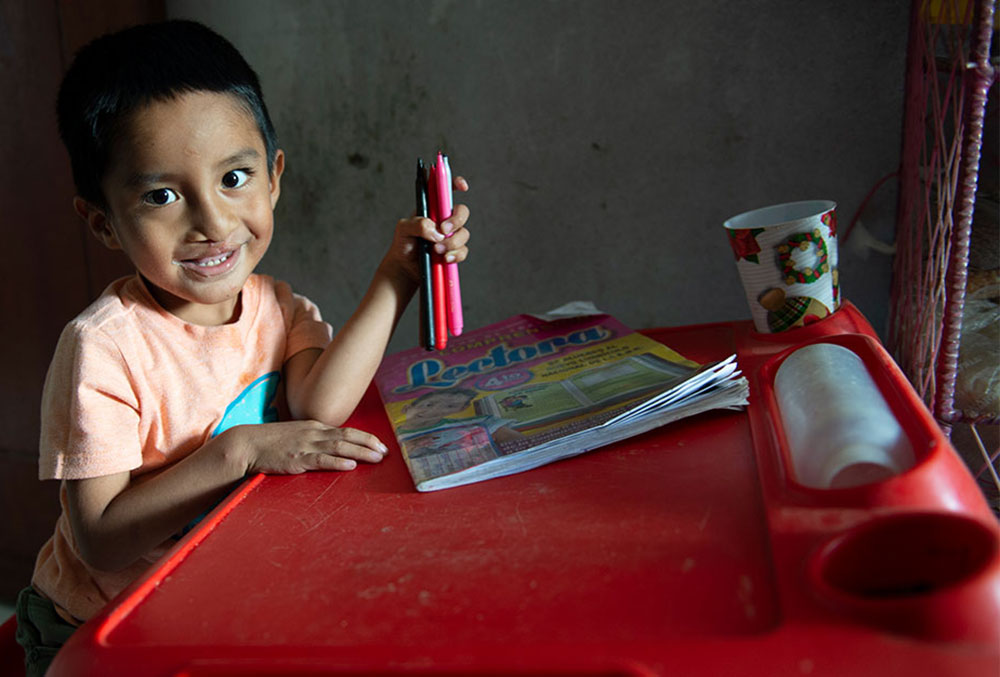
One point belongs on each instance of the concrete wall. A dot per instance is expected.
(605, 141)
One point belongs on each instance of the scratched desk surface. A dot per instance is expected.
(680, 550)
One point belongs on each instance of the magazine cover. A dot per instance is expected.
(484, 405)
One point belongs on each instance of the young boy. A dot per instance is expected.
(149, 397)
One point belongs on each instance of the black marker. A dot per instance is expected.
(426, 293)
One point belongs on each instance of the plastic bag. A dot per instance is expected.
(977, 385)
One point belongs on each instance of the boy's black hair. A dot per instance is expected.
(117, 73)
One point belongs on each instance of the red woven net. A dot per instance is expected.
(949, 75)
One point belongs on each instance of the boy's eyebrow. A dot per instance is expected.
(244, 156)
(141, 180)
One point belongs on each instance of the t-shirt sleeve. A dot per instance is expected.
(306, 328)
(90, 410)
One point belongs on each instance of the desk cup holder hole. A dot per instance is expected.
(927, 575)
(906, 556)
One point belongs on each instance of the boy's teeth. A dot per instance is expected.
(213, 262)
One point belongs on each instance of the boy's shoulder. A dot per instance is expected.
(116, 305)
(111, 323)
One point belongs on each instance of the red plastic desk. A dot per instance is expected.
(689, 550)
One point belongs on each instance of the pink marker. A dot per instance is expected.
(453, 289)
(438, 285)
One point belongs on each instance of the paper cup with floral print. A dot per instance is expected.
(787, 258)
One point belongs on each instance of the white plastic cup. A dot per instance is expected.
(839, 428)
(787, 257)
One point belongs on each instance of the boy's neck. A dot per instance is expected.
(204, 315)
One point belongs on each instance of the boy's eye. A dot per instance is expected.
(235, 178)
(159, 197)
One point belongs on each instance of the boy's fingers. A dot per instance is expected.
(345, 452)
(327, 462)
(355, 444)
(454, 248)
(455, 222)
(457, 255)
(421, 227)
(459, 183)
(458, 239)
(428, 230)
(459, 215)
(363, 438)
(417, 226)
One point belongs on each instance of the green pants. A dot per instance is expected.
(40, 630)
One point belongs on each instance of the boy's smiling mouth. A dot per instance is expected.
(214, 263)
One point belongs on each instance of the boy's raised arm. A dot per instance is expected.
(327, 385)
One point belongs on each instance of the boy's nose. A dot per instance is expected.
(213, 219)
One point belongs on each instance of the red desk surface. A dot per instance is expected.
(689, 550)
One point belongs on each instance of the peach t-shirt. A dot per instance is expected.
(133, 388)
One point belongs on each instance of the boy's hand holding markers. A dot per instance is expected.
(450, 240)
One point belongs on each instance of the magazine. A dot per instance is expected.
(532, 390)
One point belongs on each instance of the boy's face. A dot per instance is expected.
(190, 202)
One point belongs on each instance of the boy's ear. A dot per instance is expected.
(97, 221)
(275, 178)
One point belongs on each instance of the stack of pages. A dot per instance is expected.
(535, 389)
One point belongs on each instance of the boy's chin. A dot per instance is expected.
(211, 302)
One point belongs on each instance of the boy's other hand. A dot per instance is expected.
(294, 447)
(450, 239)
